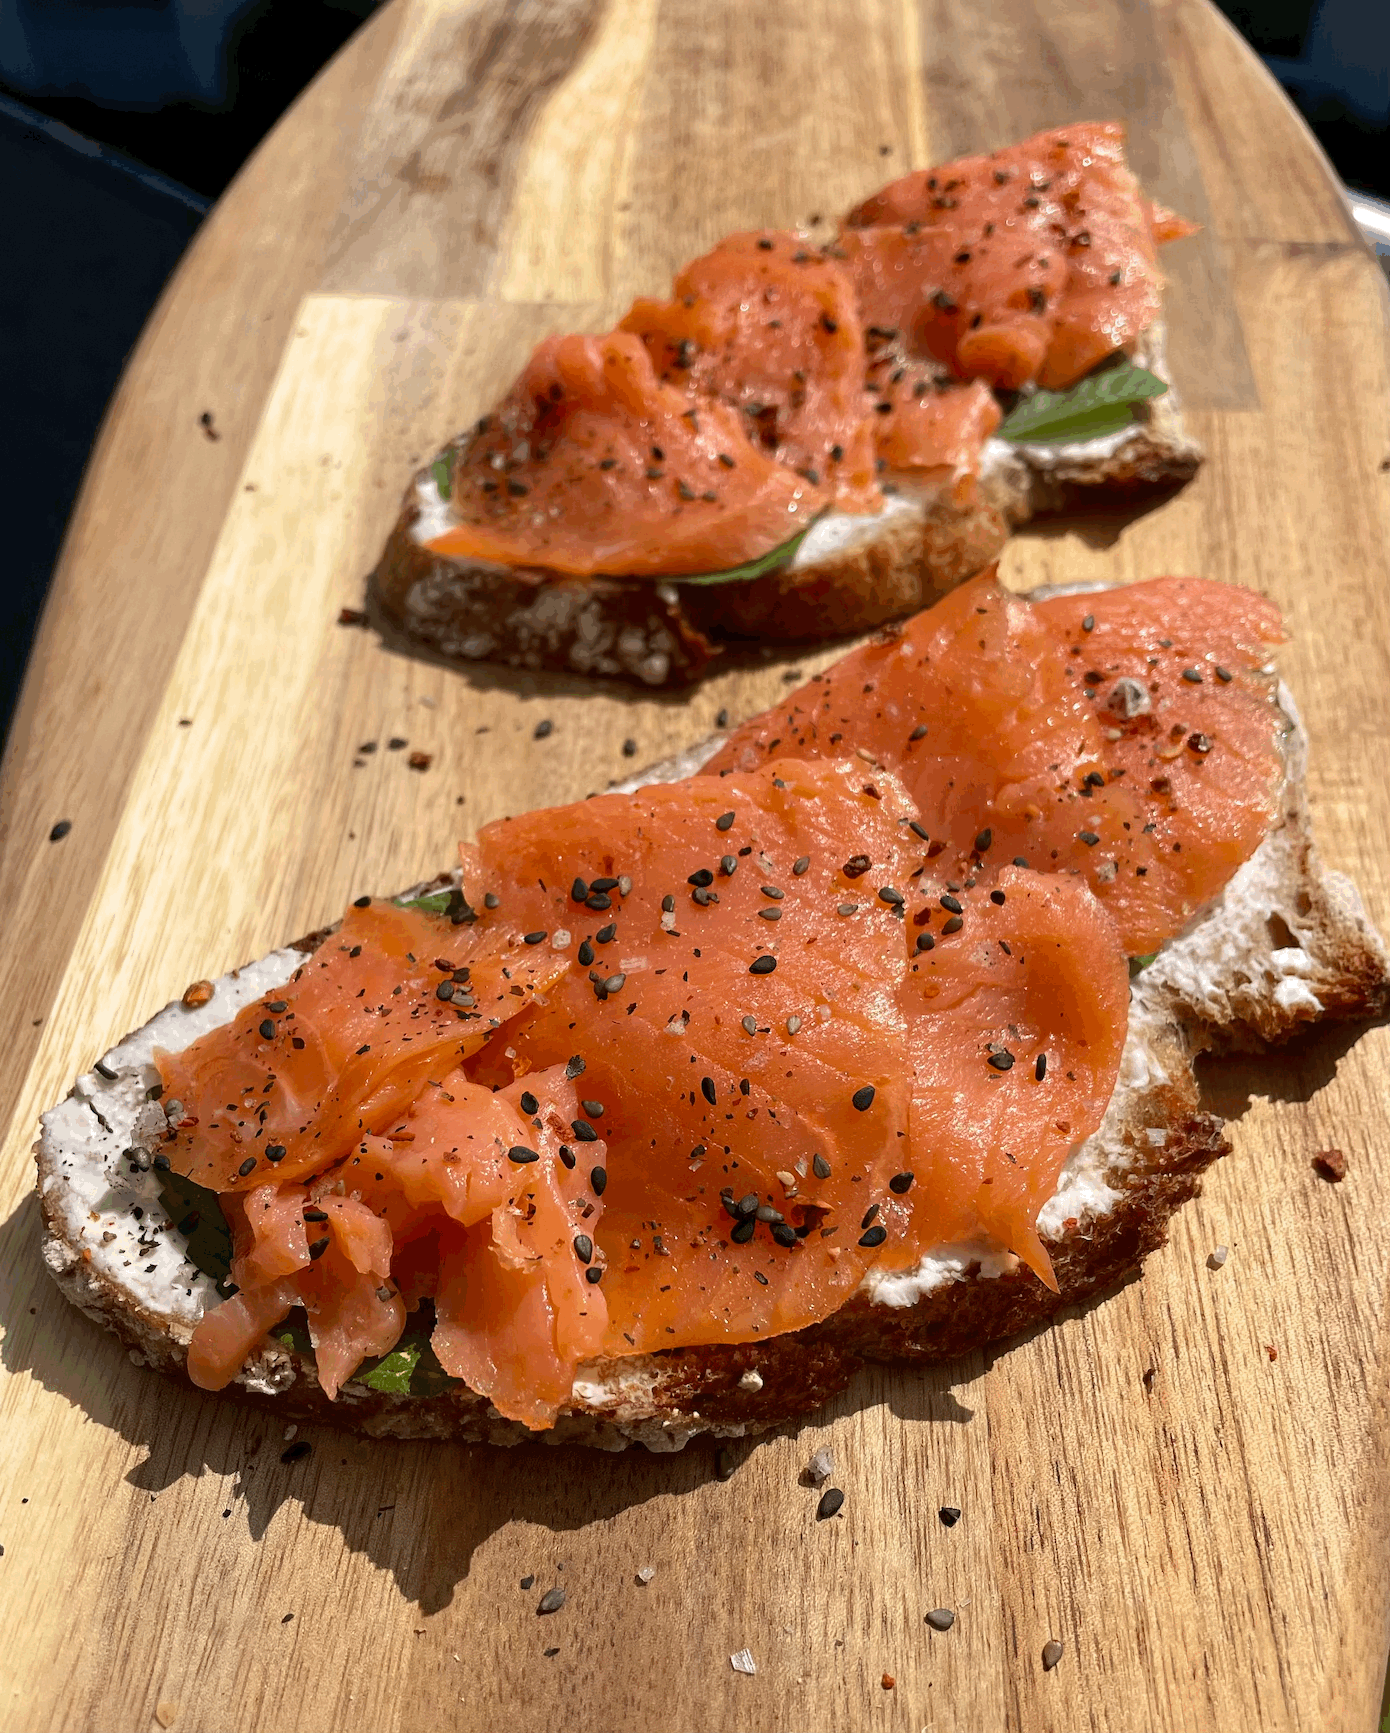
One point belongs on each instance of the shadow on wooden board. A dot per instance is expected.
(420, 1510)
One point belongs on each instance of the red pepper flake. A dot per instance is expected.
(1331, 1164)
(888, 1681)
(351, 617)
(1271, 1350)
(420, 760)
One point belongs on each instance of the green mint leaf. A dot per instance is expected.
(769, 562)
(1098, 404)
(442, 471)
(1137, 965)
(197, 1215)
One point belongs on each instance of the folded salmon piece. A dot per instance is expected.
(1029, 265)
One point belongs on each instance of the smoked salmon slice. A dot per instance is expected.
(767, 1047)
(1030, 265)
(767, 324)
(593, 465)
(1128, 736)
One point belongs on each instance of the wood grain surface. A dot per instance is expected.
(1211, 1551)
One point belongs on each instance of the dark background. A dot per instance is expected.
(122, 120)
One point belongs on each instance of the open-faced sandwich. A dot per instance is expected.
(807, 440)
(866, 1032)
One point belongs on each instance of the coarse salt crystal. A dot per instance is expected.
(821, 1466)
(1218, 1256)
(743, 1662)
(751, 1381)
(646, 1574)
(559, 939)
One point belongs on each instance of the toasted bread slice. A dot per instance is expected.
(851, 572)
(1284, 945)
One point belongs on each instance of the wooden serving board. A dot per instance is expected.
(1202, 1525)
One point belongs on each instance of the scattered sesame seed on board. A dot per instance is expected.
(1052, 1653)
(743, 1662)
(550, 1602)
(941, 1618)
(831, 1501)
(949, 1515)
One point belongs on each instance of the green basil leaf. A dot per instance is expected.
(1098, 404)
(446, 902)
(410, 1369)
(196, 1213)
(1137, 965)
(769, 562)
(442, 471)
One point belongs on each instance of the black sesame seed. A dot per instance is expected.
(604, 884)
(1040, 1067)
(1019, 861)
(700, 878)
(606, 935)
(551, 1601)
(598, 901)
(983, 840)
(997, 898)
(520, 1154)
(803, 865)
(1089, 837)
(60, 830)
(1193, 676)
(275, 1152)
(773, 892)
(318, 1247)
(316, 1215)
(708, 1091)
(869, 1215)
(594, 1109)
(598, 1180)
(277, 1005)
(951, 904)
(162, 1164)
(863, 1098)
(750, 1025)
(954, 925)
(918, 829)
(925, 942)
(784, 1233)
(594, 1273)
(1001, 1061)
(534, 938)
(1089, 623)
(578, 891)
(875, 1236)
(743, 1231)
(543, 729)
(615, 983)
(248, 1166)
(830, 1502)
(728, 865)
(566, 1155)
(762, 965)
(820, 1167)
(529, 1104)
(297, 1452)
(724, 821)
(491, 900)
(267, 1030)
(575, 1067)
(584, 1132)
(1224, 675)
(585, 953)
(900, 1183)
(919, 732)
(583, 1248)
(949, 1515)
(748, 1206)
(889, 895)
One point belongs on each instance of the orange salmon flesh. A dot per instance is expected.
(688, 1063)
(783, 377)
